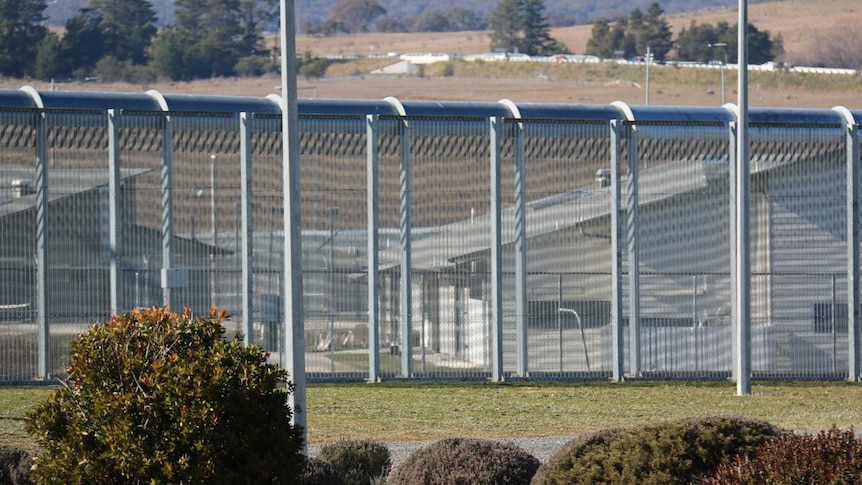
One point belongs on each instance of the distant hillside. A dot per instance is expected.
(316, 11)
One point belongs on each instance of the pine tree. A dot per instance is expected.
(522, 25)
(127, 26)
(21, 30)
(506, 23)
(537, 31)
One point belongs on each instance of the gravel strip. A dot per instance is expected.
(541, 448)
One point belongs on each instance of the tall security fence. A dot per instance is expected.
(440, 240)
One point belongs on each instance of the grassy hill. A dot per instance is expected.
(799, 22)
(318, 10)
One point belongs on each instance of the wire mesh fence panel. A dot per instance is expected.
(391, 140)
(682, 229)
(78, 234)
(141, 146)
(333, 163)
(450, 188)
(798, 213)
(18, 354)
(568, 246)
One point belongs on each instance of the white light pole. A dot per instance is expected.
(294, 341)
(648, 58)
(649, 55)
(742, 260)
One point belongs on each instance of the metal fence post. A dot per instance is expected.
(496, 255)
(734, 280)
(406, 257)
(521, 250)
(245, 130)
(42, 330)
(854, 313)
(617, 339)
(115, 238)
(853, 316)
(371, 131)
(632, 246)
(167, 208)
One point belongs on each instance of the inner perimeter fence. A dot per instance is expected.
(440, 240)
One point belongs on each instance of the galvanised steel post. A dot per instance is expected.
(734, 280)
(42, 331)
(854, 317)
(496, 254)
(632, 246)
(520, 251)
(617, 339)
(167, 208)
(245, 130)
(852, 194)
(113, 118)
(406, 257)
(371, 130)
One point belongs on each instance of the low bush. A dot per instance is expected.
(829, 457)
(467, 461)
(668, 453)
(359, 462)
(320, 472)
(15, 466)
(156, 397)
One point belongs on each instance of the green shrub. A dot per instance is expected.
(320, 472)
(14, 466)
(359, 462)
(467, 461)
(252, 66)
(833, 457)
(155, 397)
(668, 453)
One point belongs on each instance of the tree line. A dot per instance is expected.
(118, 40)
(629, 37)
(359, 16)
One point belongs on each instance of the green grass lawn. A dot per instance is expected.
(396, 411)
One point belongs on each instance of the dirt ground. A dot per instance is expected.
(490, 90)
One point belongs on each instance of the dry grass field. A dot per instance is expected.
(800, 23)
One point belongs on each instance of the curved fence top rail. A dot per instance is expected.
(679, 114)
(591, 112)
(80, 99)
(340, 107)
(28, 97)
(796, 116)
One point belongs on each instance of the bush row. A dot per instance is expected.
(716, 450)
(155, 397)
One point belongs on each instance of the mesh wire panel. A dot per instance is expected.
(682, 232)
(18, 354)
(568, 247)
(334, 215)
(450, 205)
(798, 214)
(140, 137)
